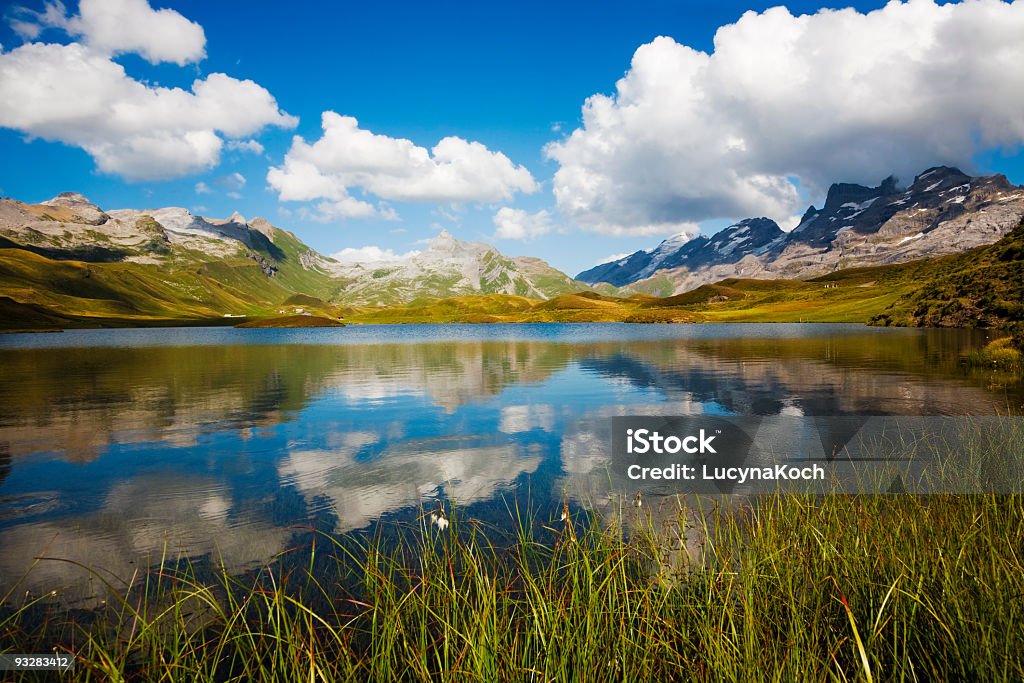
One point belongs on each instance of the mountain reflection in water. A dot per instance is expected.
(119, 445)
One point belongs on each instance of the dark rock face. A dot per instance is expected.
(866, 209)
(752, 235)
(620, 272)
(268, 268)
(749, 236)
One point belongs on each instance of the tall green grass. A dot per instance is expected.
(1000, 354)
(785, 587)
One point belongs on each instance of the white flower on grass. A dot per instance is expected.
(438, 519)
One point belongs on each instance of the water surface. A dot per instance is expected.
(119, 445)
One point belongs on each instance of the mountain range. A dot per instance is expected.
(66, 258)
(66, 262)
(943, 211)
(449, 267)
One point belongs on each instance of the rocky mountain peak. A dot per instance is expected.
(751, 235)
(449, 267)
(69, 199)
(444, 242)
(758, 226)
(939, 178)
(263, 226)
(79, 207)
(851, 193)
(675, 241)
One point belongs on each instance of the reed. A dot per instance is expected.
(787, 587)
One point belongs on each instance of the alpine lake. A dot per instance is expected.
(122, 448)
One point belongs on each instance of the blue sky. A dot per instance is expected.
(691, 143)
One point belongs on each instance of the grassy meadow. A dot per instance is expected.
(727, 301)
(786, 587)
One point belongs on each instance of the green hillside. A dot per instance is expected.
(983, 287)
(42, 291)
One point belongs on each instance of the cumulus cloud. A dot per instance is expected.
(787, 101)
(347, 157)
(253, 146)
(203, 188)
(516, 224)
(72, 94)
(346, 207)
(370, 254)
(120, 26)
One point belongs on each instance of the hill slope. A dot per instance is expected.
(980, 288)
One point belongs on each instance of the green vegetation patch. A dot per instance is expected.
(983, 287)
(1000, 354)
(787, 587)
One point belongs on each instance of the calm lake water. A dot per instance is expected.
(115, 444)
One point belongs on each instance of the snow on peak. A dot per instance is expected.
(674, 242)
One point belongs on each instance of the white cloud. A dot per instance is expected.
(72, 94)
(233, 181)
(516, 224)
(114, 27)
(346, 207)
(834, 96)
(370, 254)
(613, 257)
(28, 23)
(348, 157)
(245, 146)
(203, 188)
(788, 223)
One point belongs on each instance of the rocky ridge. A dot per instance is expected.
(943, 211)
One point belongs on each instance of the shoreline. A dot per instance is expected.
(246, 324)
